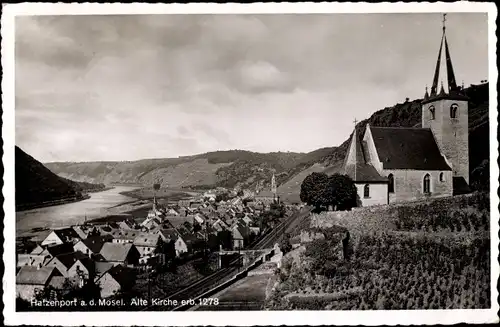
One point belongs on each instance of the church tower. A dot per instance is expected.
(446, 114)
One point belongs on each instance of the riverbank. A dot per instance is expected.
(29, 206)
(161, 194)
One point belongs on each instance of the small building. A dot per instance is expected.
(92, 245)
(146, 243)
(124, 236)
(31, 260)
(53, 250)
(114, 280)
(64, 262)
(31, 279)
(60, 236)
(120, 253)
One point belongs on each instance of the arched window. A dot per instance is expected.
(432, 111)
(366, 192)
(441, 177)
(427, 184)
(391, 183)
(453, 110)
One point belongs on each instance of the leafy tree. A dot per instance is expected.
(240, 193)
(480, 176)
(341, 192)
(225, 238)
(221, 197)
(312, 190)
(321, 191)
(285, 244)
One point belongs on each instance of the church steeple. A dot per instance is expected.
(450, 73)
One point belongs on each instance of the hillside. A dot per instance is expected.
(36, 185)
(246, 169)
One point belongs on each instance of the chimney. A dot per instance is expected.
(38, 266)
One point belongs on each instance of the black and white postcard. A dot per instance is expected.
(261, 164)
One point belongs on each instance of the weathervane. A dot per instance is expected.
(444, 22)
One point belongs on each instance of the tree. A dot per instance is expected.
(480, 176)
(285, 244)
(225, 238)
(240, 193)
(341, 192)
(321, 191)
(313, 188)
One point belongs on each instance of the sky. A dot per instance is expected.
(129, 87)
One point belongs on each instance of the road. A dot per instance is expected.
(209, 282)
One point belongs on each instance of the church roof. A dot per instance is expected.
(355, 165)
(408, 148)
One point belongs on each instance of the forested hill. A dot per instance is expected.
(36, 185)
(247, 169)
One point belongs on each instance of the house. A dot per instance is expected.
(146, 243)
(120, 253)
(220, 225)
(84, 231)
(60, 236)
(32, 279)
(150, 224)
(82, 269)
(182, 245)
(167, 234)
(101, 267)
(394, 164)
(92, 244)
(124, 236)
(172, 212)
(198, 217)
(64, 262)
(53, 250)
(127, 224)
(117, 278)
(31, 260)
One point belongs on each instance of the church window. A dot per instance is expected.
(441, 177)
(453, 110)
(391, 183)
(366, 192)
(432, 111)
(427, 184)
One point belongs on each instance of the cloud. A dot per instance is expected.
(134, 86)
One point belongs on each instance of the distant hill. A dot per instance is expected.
(36, 185)
(247, 169)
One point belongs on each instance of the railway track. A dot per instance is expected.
(209, 282)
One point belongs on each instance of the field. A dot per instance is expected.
(439, 264)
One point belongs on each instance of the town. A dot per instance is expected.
(112, 257)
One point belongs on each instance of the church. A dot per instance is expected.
(394, 164)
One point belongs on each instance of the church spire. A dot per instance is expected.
(452, 84)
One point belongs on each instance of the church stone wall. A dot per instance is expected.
(452, 134)
(378, 194)
(408, 184)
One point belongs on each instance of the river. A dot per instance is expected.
(72, 213)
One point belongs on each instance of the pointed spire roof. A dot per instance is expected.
(453, 90)
(355, 165)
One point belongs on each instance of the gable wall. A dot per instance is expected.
(378, 194)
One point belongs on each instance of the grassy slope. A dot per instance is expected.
(427, 255)
(246, 169)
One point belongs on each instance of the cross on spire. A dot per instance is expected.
(444, 22)
(355, 122)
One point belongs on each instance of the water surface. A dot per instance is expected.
(72, 213)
